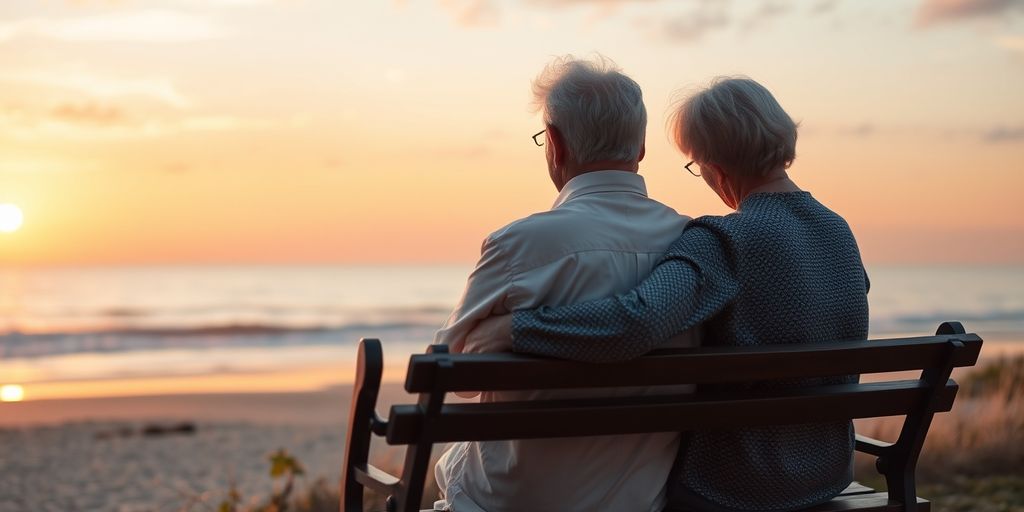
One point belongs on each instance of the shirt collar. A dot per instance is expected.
(601, 181)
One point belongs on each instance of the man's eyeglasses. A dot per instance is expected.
(693, 168)
(539, 142)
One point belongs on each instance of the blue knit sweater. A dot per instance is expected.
(782, 269)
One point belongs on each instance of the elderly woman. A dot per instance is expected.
(782, 269)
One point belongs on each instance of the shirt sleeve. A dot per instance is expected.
(691, 283)
(485, 294)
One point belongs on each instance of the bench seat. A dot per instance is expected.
(863, 498)
(856, 497)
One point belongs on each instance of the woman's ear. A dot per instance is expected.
(722, 184)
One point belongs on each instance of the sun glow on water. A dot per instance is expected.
(10, 218)
(11, 393)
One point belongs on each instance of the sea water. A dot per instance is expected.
(95, 323)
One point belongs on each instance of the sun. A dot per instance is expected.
(11, 393)
(10, 218)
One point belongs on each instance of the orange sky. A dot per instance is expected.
(193, 131)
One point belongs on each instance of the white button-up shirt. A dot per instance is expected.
(602, 237)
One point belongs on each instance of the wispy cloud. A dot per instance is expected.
(859, 131)
(146, 26)
(692, 26)
(473, 13)
(932, 12)
(765, 13)
(1004, 134)
(1013, 43)
(471, 152)
(178, 167)
(672, 20)
(824, 7)
(203, 3)
(563, 3)
(231, 3)
(488, 13)
(218, 124)
(87, 113)
(35, 164)
(90, 121)
(100, 86)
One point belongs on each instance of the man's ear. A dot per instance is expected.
(559, 151)
(643, 151)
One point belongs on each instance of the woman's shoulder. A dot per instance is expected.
(704, 236)
(780, 209)
(768, 219)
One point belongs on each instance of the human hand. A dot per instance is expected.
(492, 335)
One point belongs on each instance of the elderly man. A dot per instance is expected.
(602, 236)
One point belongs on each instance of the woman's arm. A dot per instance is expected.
(692, 282)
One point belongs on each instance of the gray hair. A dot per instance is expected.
(598, 110)
(735, 123)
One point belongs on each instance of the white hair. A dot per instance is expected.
(735, 123)
(598, 110)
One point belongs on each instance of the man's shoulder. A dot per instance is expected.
(533, 225)
(563, 230)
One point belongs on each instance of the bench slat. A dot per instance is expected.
(504, 372)
(374, 478)
(867, 501)
(857, 488)
(874, 502)
(664, 413)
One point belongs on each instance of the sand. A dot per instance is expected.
(90, 455)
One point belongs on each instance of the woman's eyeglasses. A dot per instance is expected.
(693, 168)
(539, 142)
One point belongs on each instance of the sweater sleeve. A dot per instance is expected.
(691, 283)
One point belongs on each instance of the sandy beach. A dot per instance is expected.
(91, 455)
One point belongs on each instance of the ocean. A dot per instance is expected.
(80, 326)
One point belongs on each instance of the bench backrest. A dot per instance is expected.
(437, 373)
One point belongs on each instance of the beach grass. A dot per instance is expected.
(973, 458)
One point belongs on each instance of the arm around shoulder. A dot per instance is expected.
(693, 281)
(485, 294)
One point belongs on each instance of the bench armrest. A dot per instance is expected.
(872, 446)
(377, 479)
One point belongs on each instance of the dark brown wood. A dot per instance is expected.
(369, 368)
(873, 502)
(429, 421)
(873, 446)
(705, 365)
(374, 478)
(417, 455)
(673, 413)
(899, 462)
(857, 488)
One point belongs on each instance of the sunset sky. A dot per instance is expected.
(260, 131)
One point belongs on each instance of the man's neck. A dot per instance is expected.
(571, 171)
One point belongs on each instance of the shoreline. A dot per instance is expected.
(326, 406)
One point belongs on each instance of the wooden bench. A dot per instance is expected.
(432, 375)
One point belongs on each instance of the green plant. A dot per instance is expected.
(287, 466)
(230, 504)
